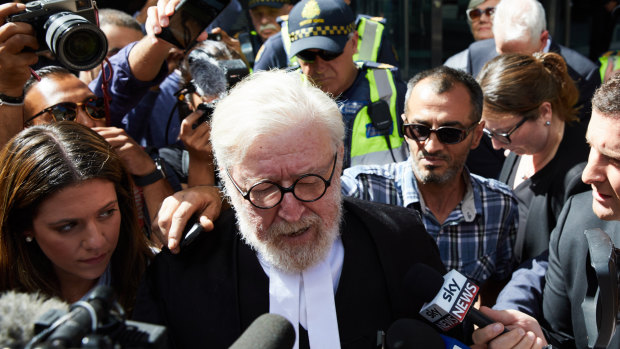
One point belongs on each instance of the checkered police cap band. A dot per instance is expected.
(328, 30)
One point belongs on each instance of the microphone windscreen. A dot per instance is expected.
(19, 312)
(423, 282)
(411, 334)
(268, 331)
(207, 75)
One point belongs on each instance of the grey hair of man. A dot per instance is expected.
(445, 79)
(515, 19)
(269, 103)
(606, 99)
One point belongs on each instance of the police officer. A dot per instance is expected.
(263, 15)
(372, 45)
(370, 96)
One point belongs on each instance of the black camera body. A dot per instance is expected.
(67, 28)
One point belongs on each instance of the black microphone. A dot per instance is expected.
(413, 334)
(191, 231)
(83, 316)
(449, 299)
(268, 331)
(19, 313)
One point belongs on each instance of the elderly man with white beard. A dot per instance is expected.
(290, 245)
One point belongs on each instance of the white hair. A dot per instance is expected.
(517, 19)
(270, 103)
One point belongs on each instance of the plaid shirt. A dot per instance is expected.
(478, 236)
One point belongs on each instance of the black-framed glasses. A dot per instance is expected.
(310, 56)
(504, 137)
(93, 106)
(445, 134)
(267, 194)
(475, 13)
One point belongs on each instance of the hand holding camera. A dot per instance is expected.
(68, 29)
(14, 62)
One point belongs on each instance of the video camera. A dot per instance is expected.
(601, 305)
(97, 323)
(67, 28)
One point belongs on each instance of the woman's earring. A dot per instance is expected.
(28, 238)
(547, 123)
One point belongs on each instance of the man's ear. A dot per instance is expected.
(354, 40)
(478, 133)
(544, 37)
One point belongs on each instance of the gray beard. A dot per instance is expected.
(287, 258)
(426, 176)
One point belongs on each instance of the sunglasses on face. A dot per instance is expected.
(445, 134)
(475, 13)
(93, 106)
(310, 56)
(504, 137)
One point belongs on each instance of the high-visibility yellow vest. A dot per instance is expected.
(374, 149)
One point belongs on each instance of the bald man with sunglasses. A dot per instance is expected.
(472, 219)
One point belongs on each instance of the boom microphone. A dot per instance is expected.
(207, 75)
(448, 299)
(18, 314)
(268, 331)
(413, 334)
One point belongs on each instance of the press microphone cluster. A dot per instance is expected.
(34, 321)
(448, 298)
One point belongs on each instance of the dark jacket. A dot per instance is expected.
(570, 274)
(213, 290)
(552, 186)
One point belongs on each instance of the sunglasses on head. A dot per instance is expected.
(445, 134)
(475, 13)
(310, 56)
(93, 106)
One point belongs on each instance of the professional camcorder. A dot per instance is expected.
(67, 28)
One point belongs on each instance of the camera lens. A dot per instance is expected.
(77, 43)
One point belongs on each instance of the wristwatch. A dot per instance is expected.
(152, 177)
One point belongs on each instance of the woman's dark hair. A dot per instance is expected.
(519, 84)
(40, 161)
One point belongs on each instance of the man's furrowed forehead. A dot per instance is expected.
(451, 107)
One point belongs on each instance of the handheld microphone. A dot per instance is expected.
(19, 313)
(268, 331)
(191, 231)
(448, 299)
(83, 318)
(413, 334)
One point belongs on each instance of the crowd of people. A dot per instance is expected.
(492, 165)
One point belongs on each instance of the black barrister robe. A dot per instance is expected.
(213, 290)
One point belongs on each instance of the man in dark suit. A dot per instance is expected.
(519, 26)
(570, 275)
(333, 268)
